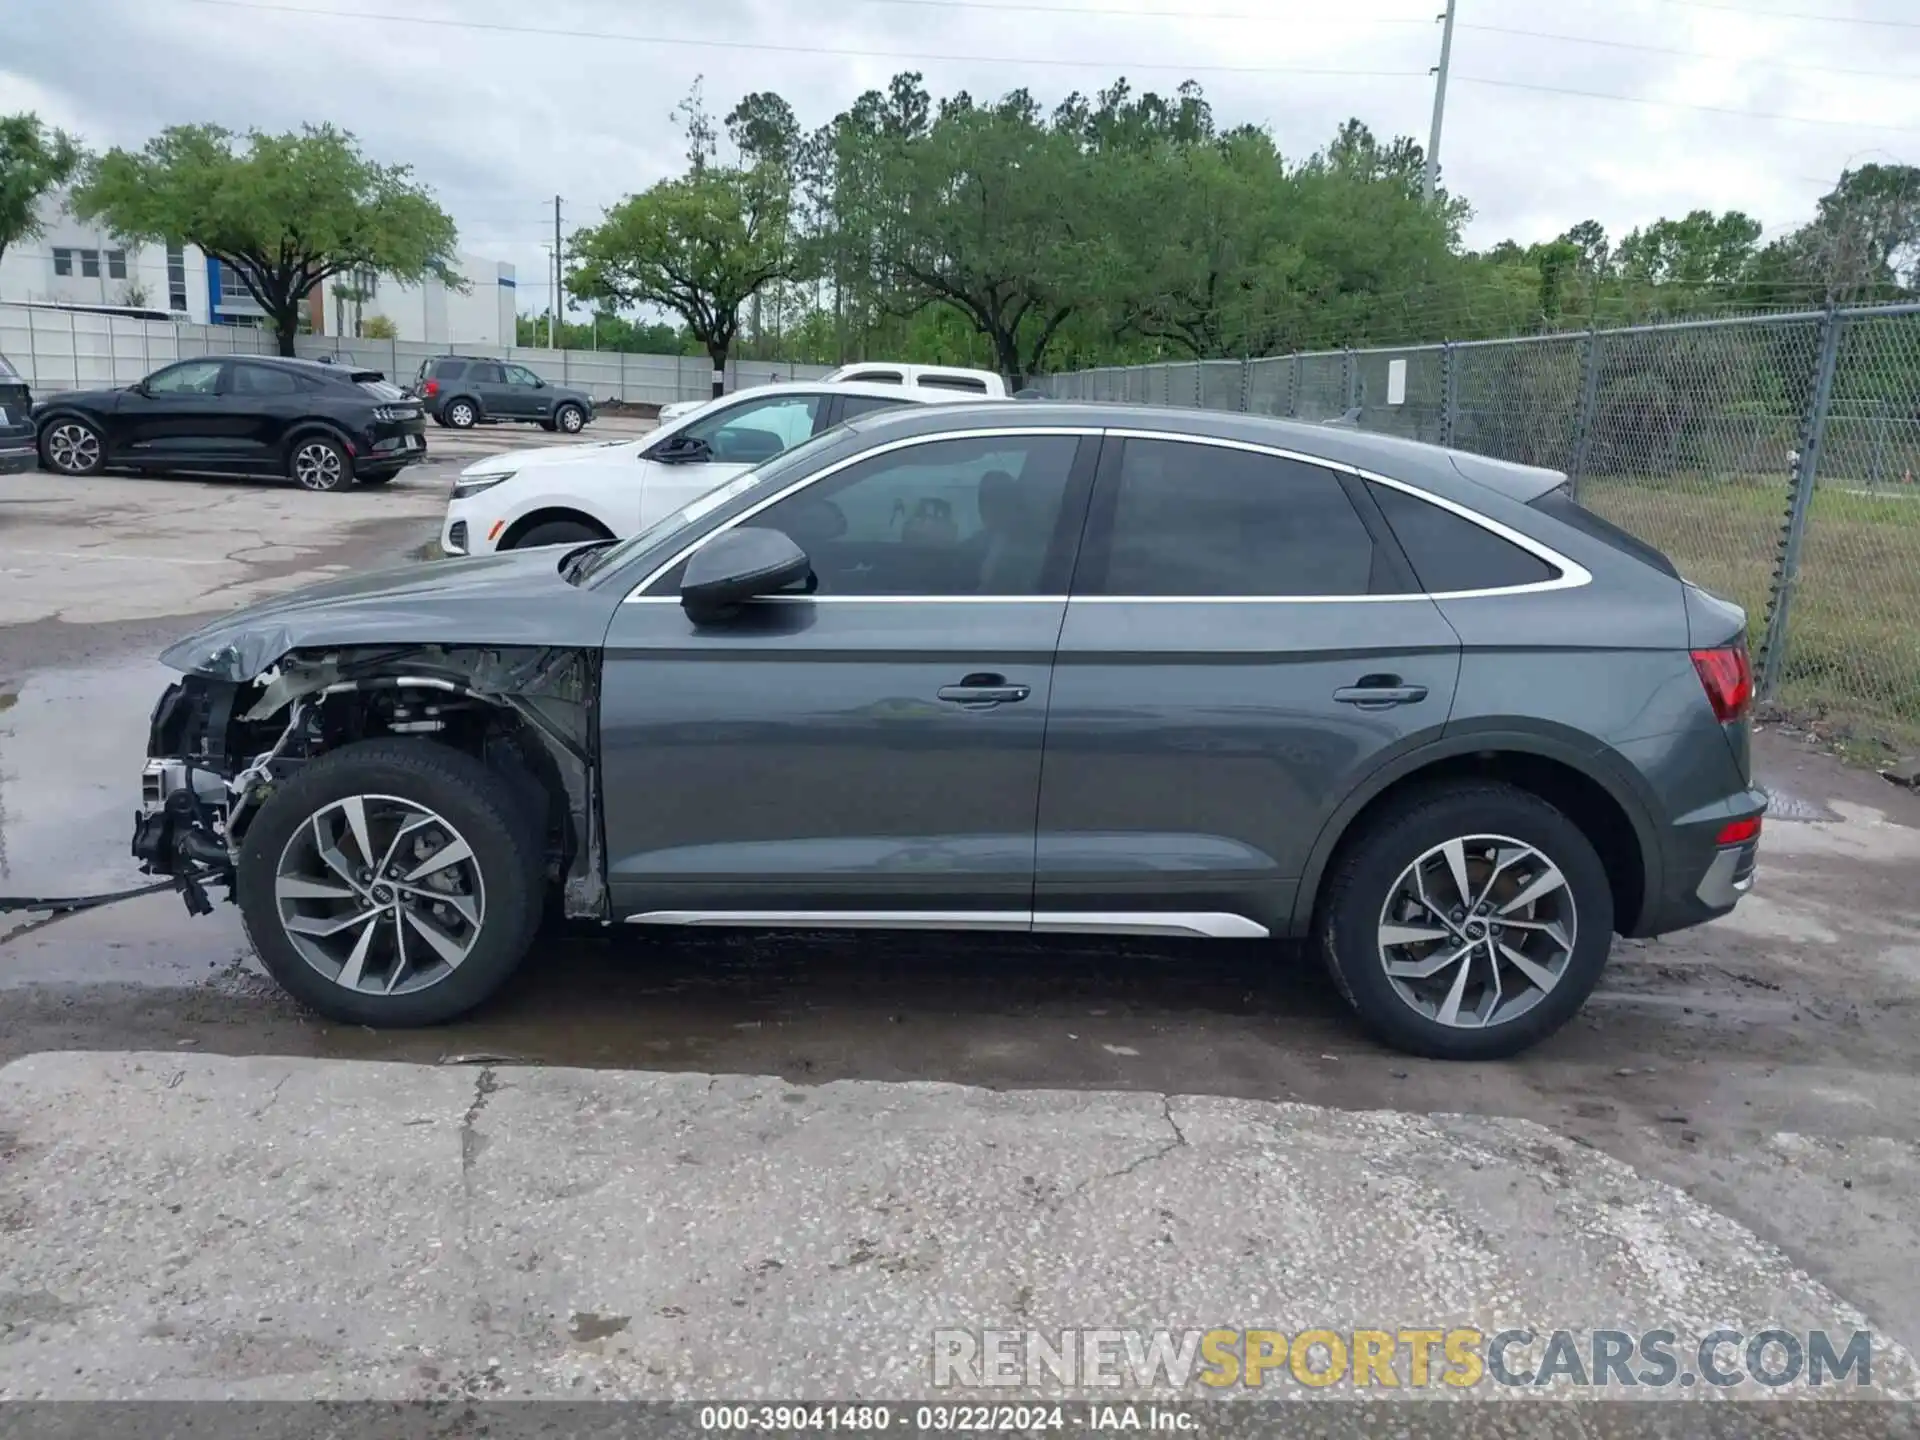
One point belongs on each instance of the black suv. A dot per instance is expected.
(16, 421)
(466, 390)
(323, 426)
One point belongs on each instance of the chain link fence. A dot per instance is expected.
(1775, 458)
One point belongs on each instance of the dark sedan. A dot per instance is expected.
(1067, 669)
(16, 421)
(322, 426)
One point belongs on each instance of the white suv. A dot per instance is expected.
(568, 494)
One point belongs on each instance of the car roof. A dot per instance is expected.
(288, 362)
(1432, 466)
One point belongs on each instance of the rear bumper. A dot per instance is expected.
(1702, 878)
(401, 442)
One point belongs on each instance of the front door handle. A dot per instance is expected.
(1379, 692)
(983, 691)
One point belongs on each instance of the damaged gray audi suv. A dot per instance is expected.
(1021, 667)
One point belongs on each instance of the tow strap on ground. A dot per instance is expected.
(62, 904)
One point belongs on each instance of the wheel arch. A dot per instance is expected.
(1599, 795)
(479, 410)
(549, 515)
(306, 429)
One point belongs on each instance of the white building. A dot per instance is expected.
(76, 263)
(483, 314)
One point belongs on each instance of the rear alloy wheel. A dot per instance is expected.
(570, 419)
(391, 882)
(462, 415)
(318, 463)
(72, 447)
(1468, 925)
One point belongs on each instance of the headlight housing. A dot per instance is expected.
(469, 485)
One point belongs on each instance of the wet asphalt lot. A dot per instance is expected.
(1764, 1064)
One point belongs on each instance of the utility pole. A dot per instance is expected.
(1439, 102)
(559, 281)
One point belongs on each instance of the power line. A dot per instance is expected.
(1669, 50)
(1101, 12)
(1684, 105)
(1753, 14)
(552, 32)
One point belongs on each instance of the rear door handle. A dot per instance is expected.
(1378, 692)
(983, 691)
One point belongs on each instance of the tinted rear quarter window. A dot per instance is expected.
(1450, 553)
(449, 369)
(1198, 520)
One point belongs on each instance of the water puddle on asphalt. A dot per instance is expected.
(72, 741)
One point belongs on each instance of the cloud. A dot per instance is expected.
(499, 121)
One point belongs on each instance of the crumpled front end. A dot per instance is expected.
(225, 735)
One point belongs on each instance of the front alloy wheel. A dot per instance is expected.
(570, 419)
(380, 895)
(72, 448)
(393, 882)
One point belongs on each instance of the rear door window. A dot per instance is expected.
(1183, 519)
(263, 380)
(1450, 553)
(853, 407)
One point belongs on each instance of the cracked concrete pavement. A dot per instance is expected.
(186, 1226)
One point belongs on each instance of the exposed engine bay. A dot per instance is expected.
(217, 747)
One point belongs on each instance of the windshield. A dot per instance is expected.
(698, 509)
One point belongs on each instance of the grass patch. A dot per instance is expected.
(1853, 644)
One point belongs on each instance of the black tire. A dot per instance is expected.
(72, 446)
(548, 426)
(1364, 876)
(460, 413)
(438, 421)
(319, 462)
(557, 532)
(375, 477)
(478, 802)
(570, 418)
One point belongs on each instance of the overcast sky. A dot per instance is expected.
(574, 97)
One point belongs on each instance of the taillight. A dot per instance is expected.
(432, 389)
(1727, 679)
(1739, 832)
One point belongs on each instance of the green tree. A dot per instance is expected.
(284, 211)
(699, 246)
(1701, 250)
(34, 160)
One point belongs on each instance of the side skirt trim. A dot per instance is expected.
(1217, 925)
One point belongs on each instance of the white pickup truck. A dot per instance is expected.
(975, 384)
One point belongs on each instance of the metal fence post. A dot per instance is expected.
(1450, 393)
(1293, 385)
(1786, 574)
(1246, 383)
(1583, 421)
(1350, 374)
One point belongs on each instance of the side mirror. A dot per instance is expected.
(740, 565)
(682, 450)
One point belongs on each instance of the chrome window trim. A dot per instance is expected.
(999, 432)
(1572, 575)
